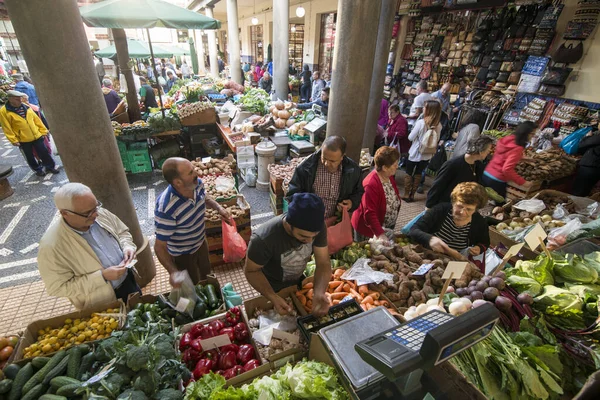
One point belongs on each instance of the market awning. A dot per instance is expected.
(139, 49)
(144, 14)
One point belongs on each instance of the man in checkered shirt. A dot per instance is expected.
(332, 176)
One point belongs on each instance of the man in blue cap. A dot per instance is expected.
(280, 249)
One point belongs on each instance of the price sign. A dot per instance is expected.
(455, 268)
(423, 269)
(513, 251)
(215, 342)
(534, 236)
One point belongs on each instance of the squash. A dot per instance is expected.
(275, 112)
(280, 104)
(284, 114)
(280, 123)
(290, 122)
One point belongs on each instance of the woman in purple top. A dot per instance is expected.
(111, 97)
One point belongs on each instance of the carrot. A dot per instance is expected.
(336, 302)
(384, 303)
(369, 306)
(334, 284)
(357, 295)
(374, 295)
(367, 300)
(339, 272)
(339, 288)
(302, 298)
(309, 285)
(363, 289)
(377, 303)
(303, 291)
(364, 306)
(347, 287)
(310, 293)
(352, 284)
(339, 296)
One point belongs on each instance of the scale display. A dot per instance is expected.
(464, 343)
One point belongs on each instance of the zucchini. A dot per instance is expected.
(35, 392)
(41, 374)
(52, 397)
(39, 362)
(68, 390)
(23, 376)
(11, 370)
(61, 381)
(211, 296)
(5, 386)
(57, 371)
(74, 361)
(86, 364)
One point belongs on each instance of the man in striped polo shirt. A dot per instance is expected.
(179, 221)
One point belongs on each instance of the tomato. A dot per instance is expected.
(6, 352)
(3, 342)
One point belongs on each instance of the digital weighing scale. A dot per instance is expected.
(391, 364)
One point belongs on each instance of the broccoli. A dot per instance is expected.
(169, 394)
(131, 394)
(106, 350)
(147, 381)
(165, 350)
(137, 357)
(115, 382)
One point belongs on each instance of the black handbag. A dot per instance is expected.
(568, 54)
(487, 60)
(491, 75)
(495, 65)
(481, 74)
(438, 159)
(556, 76)
(477, 59)
(552, 90)
(489, 47)
(498, 45)
(513, 78)
(503, 77)
(477, 46)
(518, 65)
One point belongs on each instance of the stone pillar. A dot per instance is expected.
(233, 35)
(212, 46)
(80, 123)
(281, 47)
(352, 71)
(382, 51)
(199, 39)
(133, 105)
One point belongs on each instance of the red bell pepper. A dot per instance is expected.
(245, 353)
(233, 372)
(254, 363)
(186, 341)
(241, 332)
(190, 357)
(196, 330)
(211, 354)
(233, 316)
(226, 360)
(196, 345)
(203, 367)
(229, 332)
(208, 332)
(218, 325)
(230, 347)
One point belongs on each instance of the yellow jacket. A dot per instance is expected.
(70, 268)
(21, 130)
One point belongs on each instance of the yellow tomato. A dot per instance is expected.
(94, 336)
(48, 329)
(56, 346)
(100, 337)
(81, 326)
(47, 348)
(35, 354)
(41, 332)
(62, 334)
(95, 325)
(114, 325)
(81, 338)
(68, 321)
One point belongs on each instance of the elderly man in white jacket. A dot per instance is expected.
(84, 255)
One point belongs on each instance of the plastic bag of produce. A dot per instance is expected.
(224, 184)
(363, 274)
(532, 205)
(183, 298)
(234, 245)
(558, 236)
(570, 144)
(340, 235)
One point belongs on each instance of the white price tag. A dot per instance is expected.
(182, 304)
(215, 342)
(423, 269)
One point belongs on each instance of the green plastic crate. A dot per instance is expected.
(135, 156)
(122, 146)
(138, 146)
(138, 167)
(126, 164)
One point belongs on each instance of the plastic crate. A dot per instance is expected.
(139, 167)
(138, 146)
(135, 156)
(122, 146)
(310, 324)
(126, 164)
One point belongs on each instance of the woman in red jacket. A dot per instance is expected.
(380, 203)
(509, 151)
(397, 131)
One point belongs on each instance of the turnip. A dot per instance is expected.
(458, 308)
(433, 302)
(478, 303)
(408, 315)
(436, 307)
(422, 309)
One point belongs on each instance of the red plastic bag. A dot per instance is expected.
(234, 245)
(340, 235)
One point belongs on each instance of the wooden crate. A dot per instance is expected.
(518, 192)
(202, 118)
(276, 185)
(277, 209)
(276, 199)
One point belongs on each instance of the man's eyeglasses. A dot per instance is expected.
(89, 214)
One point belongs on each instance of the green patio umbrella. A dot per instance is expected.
(137, 49)
(194, 56)
(144, 14)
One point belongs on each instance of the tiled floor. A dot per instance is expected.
(20, 305)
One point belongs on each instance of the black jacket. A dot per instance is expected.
(453, 172)
(431, 222)
(350, 186)
(590, 148)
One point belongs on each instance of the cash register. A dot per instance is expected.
(392, 364)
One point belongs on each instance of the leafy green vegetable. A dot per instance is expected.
(567, 319)
(204, 387)
(312, 380)
(523, 284)
(255, 101)
(572, 269)
(269, 388)
(583, 289)
(539, 269)
(554, 296)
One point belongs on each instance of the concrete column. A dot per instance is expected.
(281, 47)
(133, 105)
(212, 46)
(199, 40)
(80, 123)
(382, 51)
(352, 70)
(233, 35)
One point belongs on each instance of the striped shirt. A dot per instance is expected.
(179, 221)
(456, 237)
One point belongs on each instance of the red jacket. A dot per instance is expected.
(369, 216)
(507, 155)
(397, 130)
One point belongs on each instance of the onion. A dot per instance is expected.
(477, 295)
(461, 292)
(422, 308)
(473, 282)
(498, 283)
(525, 298)
(478, 303)
(502, 303)
(481, 286)
(491, 293)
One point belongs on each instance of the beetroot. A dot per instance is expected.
(476, 295)
(502, 303)
(498, 283)
(491, 293)
(481, 286)
(470, 289)
(525, 298)
(461, 292)
(473, 282)
(500, 274)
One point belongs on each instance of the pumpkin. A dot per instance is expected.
(275, 112)
(280, 123)
(280, 104)
(290, 122)
(284, 114)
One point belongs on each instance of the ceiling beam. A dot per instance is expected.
(197, 5)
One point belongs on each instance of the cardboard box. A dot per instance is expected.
(31, 332)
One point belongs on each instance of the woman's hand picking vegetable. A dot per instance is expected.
(438, 245)
(281, 306)
(320, 305)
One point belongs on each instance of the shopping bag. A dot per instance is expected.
(413, 221)
(234, 245)
(339, 235)
(570, 144)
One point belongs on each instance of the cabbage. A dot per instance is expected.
(573, 269)
(583, 290)
(312, 380)
(268, 388)
(563, 299)
(523, 284)
(539, 269)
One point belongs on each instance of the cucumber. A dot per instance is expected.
(86, 364)
(68, 390)
(41, 374)
(56, 371)
(74, 361)
(5, 386)
(61, 381)
(23, 376)
(35, 392)
(11, 370)
(39, 362)
(52, 397)
(211, 296)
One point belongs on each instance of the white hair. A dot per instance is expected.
(63, 198)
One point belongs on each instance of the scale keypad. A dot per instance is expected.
(412, 334)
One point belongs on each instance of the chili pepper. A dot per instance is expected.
(254, 363)
(229, 347)
(245, 353)
(226, 360)
(186, 341)
(203, 367)
(233, 316)
(218, 324)
(229, 332)
(241, 331)
(208, 332)
(196, 330)
(196, 345)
